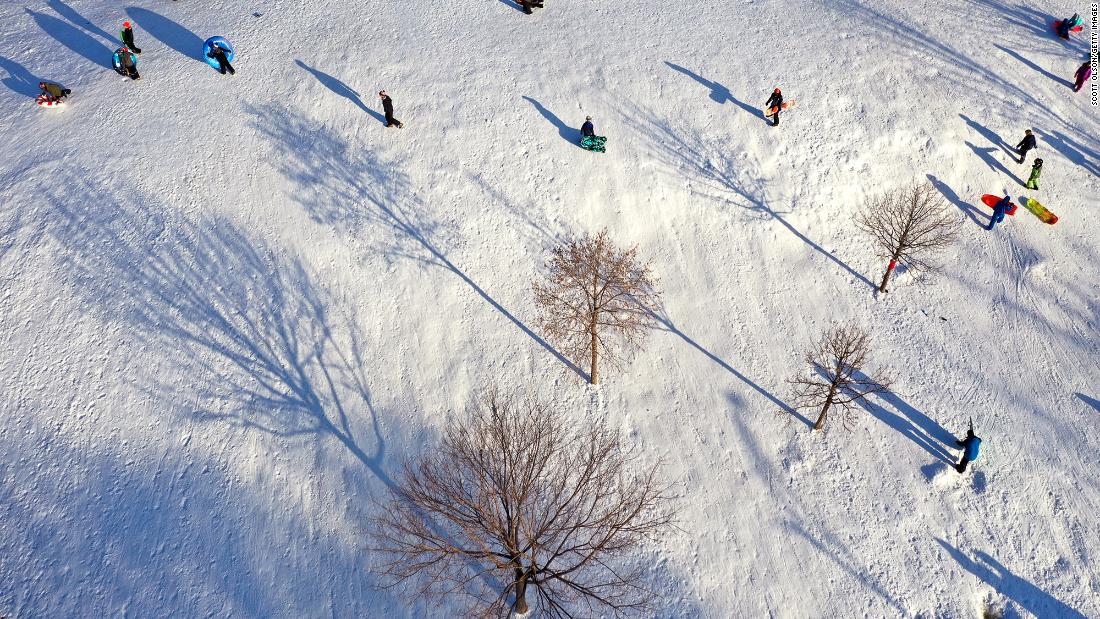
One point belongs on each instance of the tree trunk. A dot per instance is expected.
(521, 592)
(592, 368)
(825, 410)
(886, 276)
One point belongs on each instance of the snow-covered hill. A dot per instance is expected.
(232, 306)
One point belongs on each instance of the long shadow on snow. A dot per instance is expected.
(259, 337)
(666, 324)
(1093, 402)
(1034, 67)
(1072, 149)
(567, 133)
(352, 188)
(73, 38)
(1023, 592)
(76, 19)
(972, 212)
(718, 93)
(686, 152)
(338, 86)
(911, 423)
(990, 135)
(19, 79)
(986, 155)
(168, 32)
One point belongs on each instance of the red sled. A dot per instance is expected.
(1058, 24)
(991, 200)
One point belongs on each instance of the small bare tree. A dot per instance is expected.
(909, 226)
(518, 497)
(597, 301)
(836, 376)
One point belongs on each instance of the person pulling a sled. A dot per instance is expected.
(1026, 144)
(1068, 25)
(1036, 170)
(589, 139)
(53, 93)
(1084, 72)
(217, 52)
(127, 36)
(387, 107)
(972, 446)
(126, 63)
(999, 211)
(775, 102)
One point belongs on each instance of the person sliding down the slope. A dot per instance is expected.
(217, 52)
(775, 101)
(1025, 145)
(589, 139)
(1068, 24)
(1084, 72)
(998, 215)
(127, 36)
(1036, 170)
(529, 4)
(387, 106)
(972, 446)
(53, 92)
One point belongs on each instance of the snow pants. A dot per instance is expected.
(996, 218)
(961, 466)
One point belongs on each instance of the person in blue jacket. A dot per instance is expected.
(999, 212)
(1068, 24)
(588, 130)
(972, 446)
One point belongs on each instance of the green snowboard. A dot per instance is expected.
(594, 143)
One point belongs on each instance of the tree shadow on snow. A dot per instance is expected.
(1023, 592)
(718, 93)
(19, 79)
(972, 212)
(353, 189)
(168, 32)
(567, 133)
(267, 349)
(73, 38)
(665, 323)
(719, 175)
(338, 86)
(76, 19)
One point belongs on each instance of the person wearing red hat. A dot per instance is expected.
(128, 37)
(775, 101)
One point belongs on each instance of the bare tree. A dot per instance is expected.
(597, 301)
(518, 497)
(836, 375)
(909, 226)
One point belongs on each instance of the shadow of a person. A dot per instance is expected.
(338, 86)
(718, 93)
(73, 38)
(19, 79)
(972, 212)
(76, 19)
(567, 133)
(168, 32)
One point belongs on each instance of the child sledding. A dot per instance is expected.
(589, 139)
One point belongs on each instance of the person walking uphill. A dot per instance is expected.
(1036, 170)
(387, 107)
(217, 52)
(775, 102)
(127, 36)
(999, 210)
(1026, 144)
(1084, 72)
(972, 446)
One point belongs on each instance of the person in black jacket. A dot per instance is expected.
(588, 129)
(1025, 145)
(387, 106)
(127, 35)
(776, 101)
(529, 4)
(217, 52)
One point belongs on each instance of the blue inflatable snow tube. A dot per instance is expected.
(230, 53)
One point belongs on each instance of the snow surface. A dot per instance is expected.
(233, 306)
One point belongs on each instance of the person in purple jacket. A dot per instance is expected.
(1084, 72)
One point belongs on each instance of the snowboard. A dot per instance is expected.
(1040, 211)
(1058, 24)
(991, 200)
(773, 109)
(44, 101)
(595, 143)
